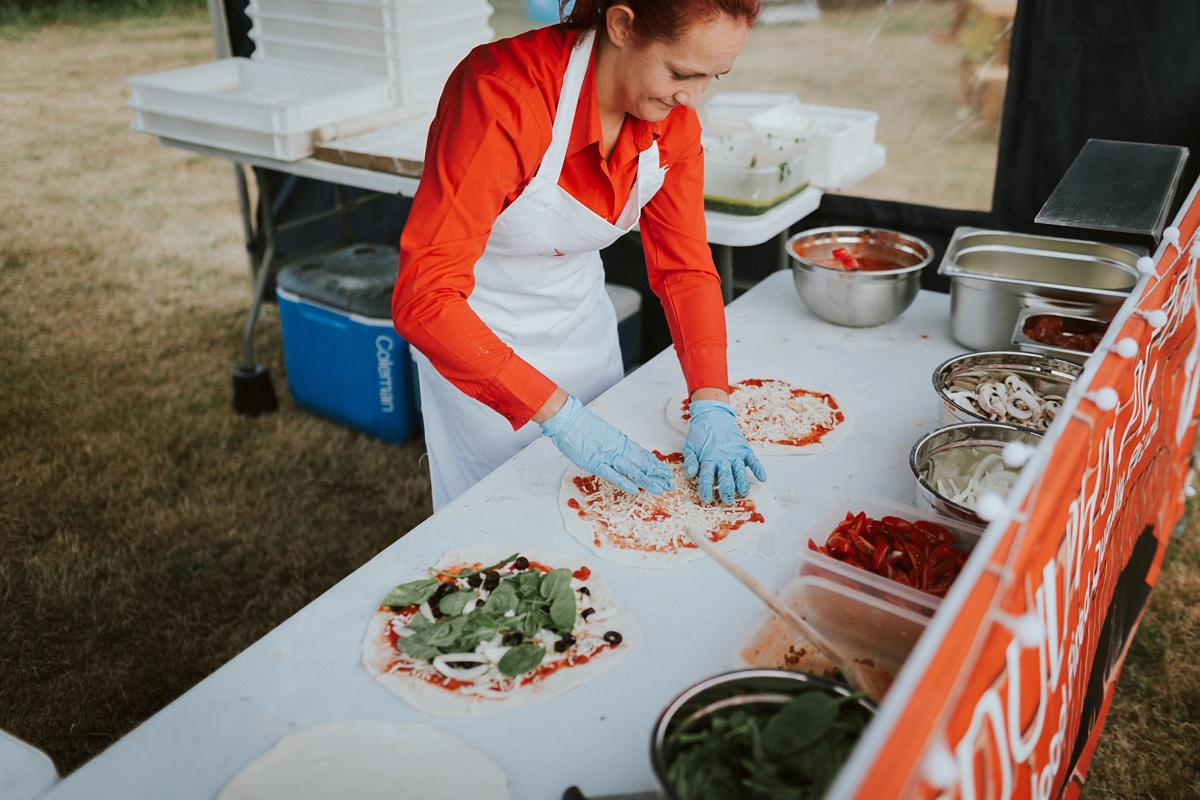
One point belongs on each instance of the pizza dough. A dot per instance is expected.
(647, 530)
(368, 759)
(779, 418)
(409, 679)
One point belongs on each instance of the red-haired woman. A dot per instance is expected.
(545, 149)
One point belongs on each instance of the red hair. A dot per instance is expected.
(661, 20)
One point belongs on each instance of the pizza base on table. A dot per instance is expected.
(647, 530)
(602, 634)
(367, 759)
(778, 418)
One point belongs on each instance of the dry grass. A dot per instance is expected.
(1150, 747)
(147, 534)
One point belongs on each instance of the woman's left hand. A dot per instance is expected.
(717, 452)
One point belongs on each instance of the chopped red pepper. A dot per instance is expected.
(848, 260)
(920, 554)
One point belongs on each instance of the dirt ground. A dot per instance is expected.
(148, 534)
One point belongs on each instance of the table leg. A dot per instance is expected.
(785, 261)
(724, 259)
(247, 216)
(253, 392)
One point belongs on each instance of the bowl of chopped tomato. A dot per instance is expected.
(857, 277)
(1070, 336)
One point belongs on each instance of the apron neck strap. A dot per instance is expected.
(568, 102)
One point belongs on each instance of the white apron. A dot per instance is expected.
(540, 287)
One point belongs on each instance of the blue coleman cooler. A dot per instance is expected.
(345, 361)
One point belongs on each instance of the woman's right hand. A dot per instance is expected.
(596, 446)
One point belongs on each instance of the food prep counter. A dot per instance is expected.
(308, 671)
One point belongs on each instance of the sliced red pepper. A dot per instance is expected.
(864, 547)
(947, 568)
(877, 558)
(941, 553)
(813, 546)
(840, 544)
(934, 531)
(914, 553)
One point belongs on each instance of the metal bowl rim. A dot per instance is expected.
(800, 262)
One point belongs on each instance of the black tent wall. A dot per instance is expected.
(1127, 70)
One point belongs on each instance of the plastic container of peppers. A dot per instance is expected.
(909, 572)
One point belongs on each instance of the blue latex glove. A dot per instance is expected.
(598, 447)
(717, 449)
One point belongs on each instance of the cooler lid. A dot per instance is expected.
(359, 279)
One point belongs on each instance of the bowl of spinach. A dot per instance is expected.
(757, 733)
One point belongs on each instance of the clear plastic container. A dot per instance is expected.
(841, 139)
(818, 565)
(728, 112)
(256, 95)
(862, 626)
(282, 146)
(749, 172)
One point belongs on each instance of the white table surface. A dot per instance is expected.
(307, 670)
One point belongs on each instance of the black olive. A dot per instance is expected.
(397, 608)
(511, 639)
(442, 590)
(546, 609)
(585, 590)
(613, 638)
(521, 563)
(585, 613)
(474, 580)
(491, 580)
(562, 644)
(478, 603)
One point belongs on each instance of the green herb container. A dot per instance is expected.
(741, 683)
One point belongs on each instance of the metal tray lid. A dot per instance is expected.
(359, 279)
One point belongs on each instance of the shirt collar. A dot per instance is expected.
(587, 130)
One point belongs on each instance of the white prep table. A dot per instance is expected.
(307, 671)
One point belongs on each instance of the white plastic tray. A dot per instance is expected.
(362, 60)
(819, 565)
(259, 96)
(728, 112)
(281, 146)
(398, 16)
(451, 36)
(840, 139)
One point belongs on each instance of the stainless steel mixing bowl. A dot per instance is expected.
(1039, 371)
(774, 686)
(948, 438)
(857, 298)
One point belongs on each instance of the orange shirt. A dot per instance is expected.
(492, 127)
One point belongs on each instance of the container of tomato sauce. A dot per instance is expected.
(857, 277)
(1069, 336)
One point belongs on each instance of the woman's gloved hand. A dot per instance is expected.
(594, 445)
(717, 449)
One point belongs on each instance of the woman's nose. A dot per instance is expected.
(690, 96)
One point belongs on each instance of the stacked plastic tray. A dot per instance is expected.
(316, 63)
(413, 44)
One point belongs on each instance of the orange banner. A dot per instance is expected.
(1006, 693)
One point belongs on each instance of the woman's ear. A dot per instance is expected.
(618, 21)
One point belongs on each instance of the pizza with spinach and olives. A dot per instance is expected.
(487, 630)
(777, 417)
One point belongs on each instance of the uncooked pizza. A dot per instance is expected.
(778, 417)
(485, 630)
(369, 759)
(647, 530)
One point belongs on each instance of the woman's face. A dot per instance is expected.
(653, 77)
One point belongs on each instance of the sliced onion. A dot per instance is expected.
(442, 664)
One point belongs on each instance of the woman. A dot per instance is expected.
(545, 149)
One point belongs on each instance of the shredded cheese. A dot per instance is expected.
(771, 411)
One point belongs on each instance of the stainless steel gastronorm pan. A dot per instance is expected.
(994, 275)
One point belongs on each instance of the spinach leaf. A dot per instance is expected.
(553, 581)
(411, 593)
(418, 622)
(502, 599)
(562, 613)
(453, 604)
(527, 582)
(530, 622)
(521, 659)
(801, 722)
(416, 647)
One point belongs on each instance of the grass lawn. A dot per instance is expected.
(147, 533)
